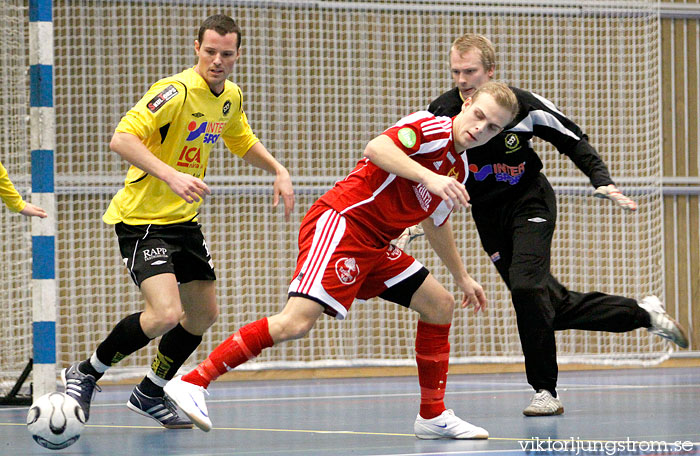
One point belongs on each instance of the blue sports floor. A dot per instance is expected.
(630, 411)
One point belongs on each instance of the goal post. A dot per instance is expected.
(42, 142)
(319, 80)
(15, 274)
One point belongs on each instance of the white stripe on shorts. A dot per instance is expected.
(329, 231)
(408, 272)
(133, 257)
(326, 238)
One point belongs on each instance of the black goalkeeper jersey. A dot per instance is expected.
(503, 167)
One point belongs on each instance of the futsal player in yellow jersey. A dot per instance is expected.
(13, 200)
(167, 137)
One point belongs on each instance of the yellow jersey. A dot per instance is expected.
(179, 120)
(9, 193)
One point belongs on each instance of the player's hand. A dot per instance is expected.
(408, 235)
(473, 295)
(452, 192)
(31, 210)
(283, 187)
(612, 193)
(188, 187)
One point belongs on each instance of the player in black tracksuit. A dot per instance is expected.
(514, 208)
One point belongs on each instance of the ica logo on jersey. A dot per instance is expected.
(190, 156)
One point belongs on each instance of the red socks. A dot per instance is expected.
(241, 346)
(432, 357)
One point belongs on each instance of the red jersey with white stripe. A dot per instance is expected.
(385, 204)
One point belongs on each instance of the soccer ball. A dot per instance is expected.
(55, 421)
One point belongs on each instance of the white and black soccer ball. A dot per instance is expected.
(55, 420)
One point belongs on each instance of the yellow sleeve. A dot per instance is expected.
(156, 109)
(9, 193)
(238, 136)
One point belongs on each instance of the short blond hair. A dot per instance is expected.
(471, 41)
(502, 95)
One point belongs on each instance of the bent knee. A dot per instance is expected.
(526, 292)
(283, 328)
(437, 308)
(445, 304)
(213, 315)
(533, 306)
(298, 329)
(208, 317)
(166, 320)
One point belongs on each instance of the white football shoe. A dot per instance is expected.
(190, 398)
(544, 404)
(661, 323)
(447, 426)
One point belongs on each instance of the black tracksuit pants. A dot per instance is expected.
(517, 235)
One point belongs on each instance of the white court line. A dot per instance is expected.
(416, 394)
(450, 393)
(502, 451)
(441, 453)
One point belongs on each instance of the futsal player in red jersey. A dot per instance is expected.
(414, 170)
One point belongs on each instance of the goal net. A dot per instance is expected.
(15, 230)
(319, 80)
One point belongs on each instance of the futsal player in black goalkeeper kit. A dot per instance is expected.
(514, 208)
(167, 137)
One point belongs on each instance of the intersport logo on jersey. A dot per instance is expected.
(191, 157)
(501, 172)
(210, 130)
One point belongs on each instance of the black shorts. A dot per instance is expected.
(179, 249)
(402, 292)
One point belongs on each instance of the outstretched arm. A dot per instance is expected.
(554, 127)
(259, 157)
(13, 200)
(587, 160)
(442, 241)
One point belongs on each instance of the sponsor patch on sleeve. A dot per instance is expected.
(159, 100)
(407, 137)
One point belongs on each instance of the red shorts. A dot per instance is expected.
(335, 266)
